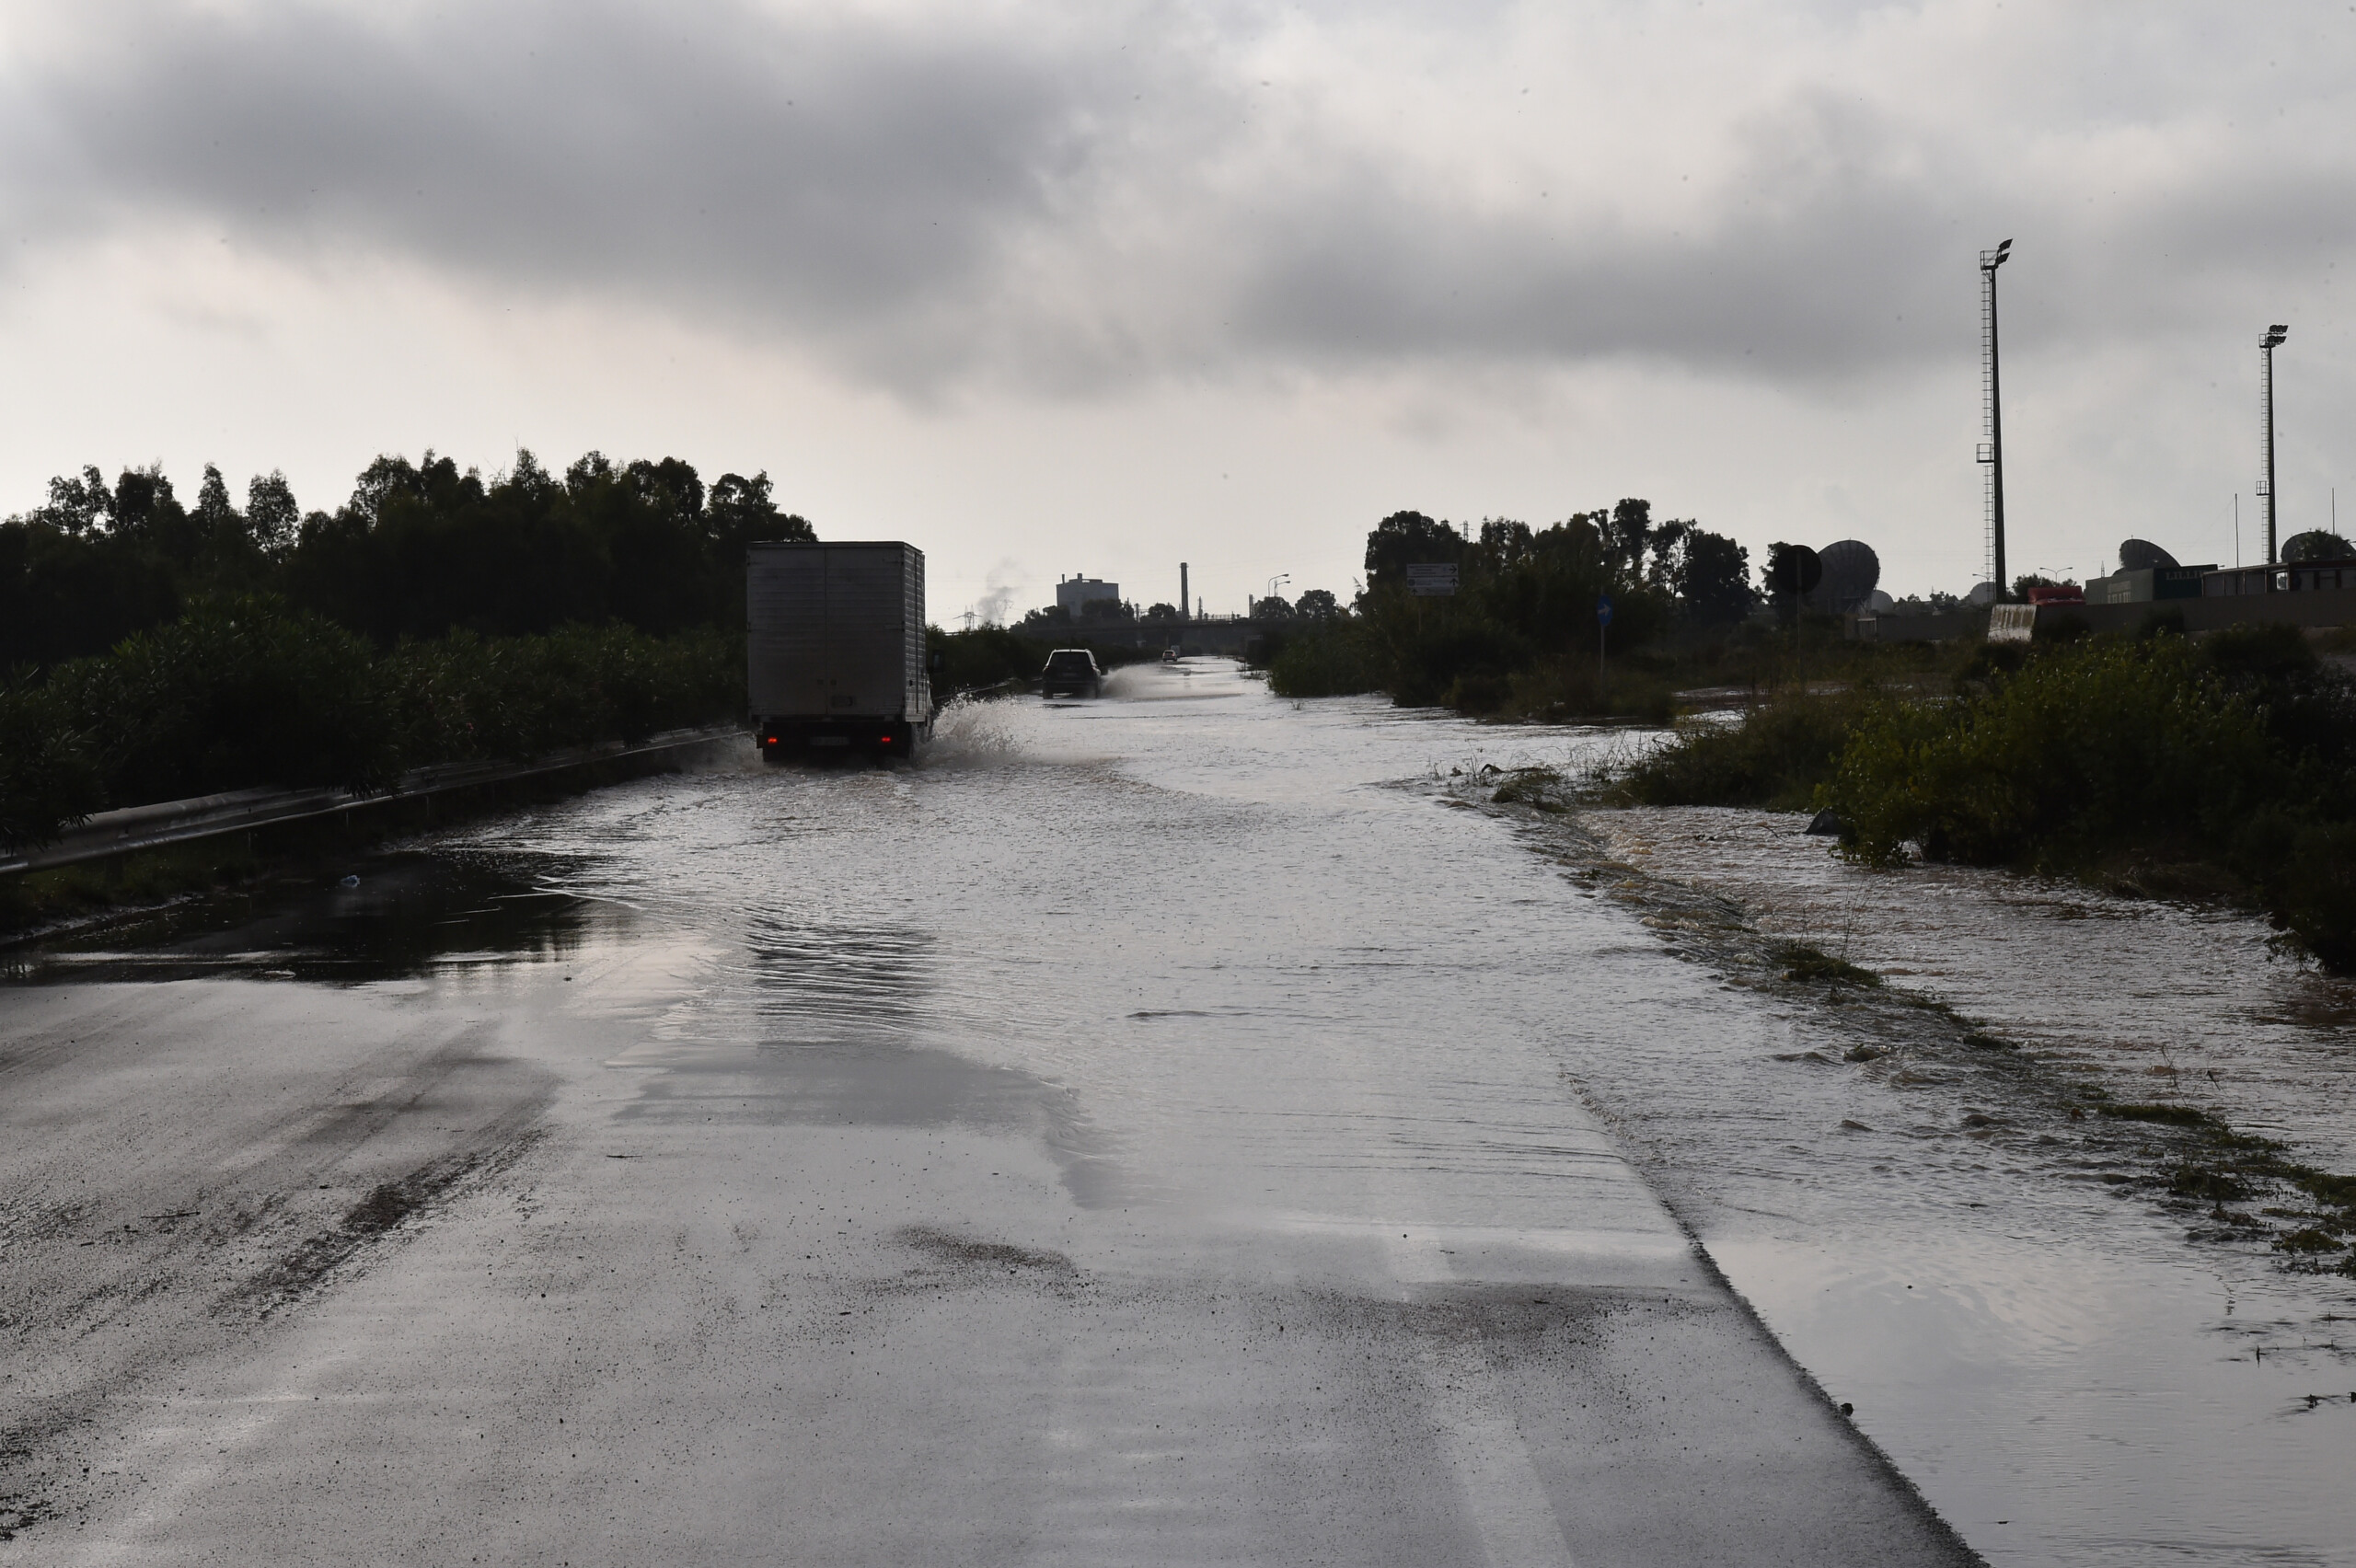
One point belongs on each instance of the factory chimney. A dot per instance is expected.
(1181, 590)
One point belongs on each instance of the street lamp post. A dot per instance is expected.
(2265, 347)
(1991, 451)
(1280, 577)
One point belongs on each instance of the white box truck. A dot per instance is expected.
(835, 650)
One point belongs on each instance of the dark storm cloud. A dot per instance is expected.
(834, 176)
(1839, 239)
(1812, 264)
(919, 199)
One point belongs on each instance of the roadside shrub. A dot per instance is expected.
(1323, 658)
(244, 693)
(2231, 759)
(2266, 656)
(2308, 707)
(2312, 891)
(2083, 747)
(49, 780)
(463, 698)
(979, 657)
(1457, 654)
(1988, 664)
(1576, 688)
(1774, 757)
(235, 693)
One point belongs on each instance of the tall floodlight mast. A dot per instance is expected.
(1991, 451)
(2265, 347)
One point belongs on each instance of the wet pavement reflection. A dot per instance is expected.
(391, 916)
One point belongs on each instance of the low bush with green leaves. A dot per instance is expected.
(2236, 753)
(1775, 755)
(465, 697)
(1323, 658)
(234, 693)
(2079, 751)
(48, 771)
(241, 693)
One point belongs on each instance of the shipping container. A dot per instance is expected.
(835, 650)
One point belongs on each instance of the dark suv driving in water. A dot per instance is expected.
(1072, 671)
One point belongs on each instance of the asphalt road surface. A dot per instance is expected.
(1132, 1137)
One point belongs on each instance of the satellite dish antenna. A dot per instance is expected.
(1851, 571)
(1801, 571)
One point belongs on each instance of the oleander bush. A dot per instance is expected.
(1327, 658)
(464, 696)
(2235, 755)
(2076, 752)
(1776, 755)
(234, 693)
(49, 774)
(242, 693)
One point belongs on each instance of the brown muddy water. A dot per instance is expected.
(2018, 1319)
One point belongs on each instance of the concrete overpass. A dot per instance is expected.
(1225, 635)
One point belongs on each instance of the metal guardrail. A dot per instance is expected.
(206, 816)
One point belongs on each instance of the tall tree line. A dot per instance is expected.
(418, 549)
(1526, 611)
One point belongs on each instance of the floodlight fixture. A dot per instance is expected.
(1991, 260)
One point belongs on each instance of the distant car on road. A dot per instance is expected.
(1072, 671)
(1170, 656)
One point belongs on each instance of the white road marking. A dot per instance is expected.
(1506, 1502)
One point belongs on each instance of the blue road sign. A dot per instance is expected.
(1603, 609)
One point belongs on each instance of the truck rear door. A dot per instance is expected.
(786, 629)
(867, 632)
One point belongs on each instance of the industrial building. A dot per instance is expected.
(1071, 593)
(2295, 577)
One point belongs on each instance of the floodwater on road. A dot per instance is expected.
(2048, 1343)
(1189, 1001)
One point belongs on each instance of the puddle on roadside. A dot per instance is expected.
(2153, 1001)
(403, 915)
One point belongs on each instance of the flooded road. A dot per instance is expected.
(2054, 1340)
(1177, 1128)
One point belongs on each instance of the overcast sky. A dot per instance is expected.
(1051, 289)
